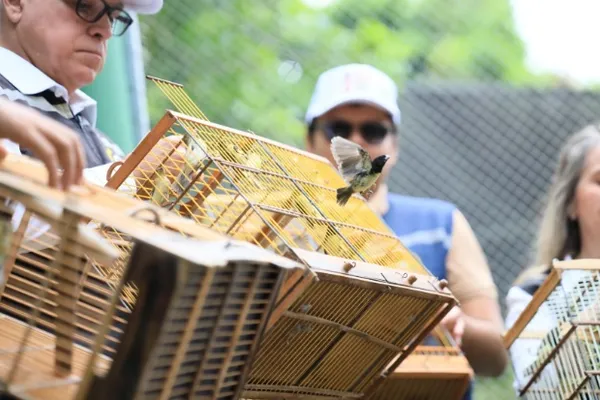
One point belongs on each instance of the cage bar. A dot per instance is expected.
(65, 332)
(554, 344)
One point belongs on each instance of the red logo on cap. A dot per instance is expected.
(358, 79)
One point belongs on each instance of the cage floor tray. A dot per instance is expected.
(35, 377)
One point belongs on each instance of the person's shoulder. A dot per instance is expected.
(410, 213)
(423, 204)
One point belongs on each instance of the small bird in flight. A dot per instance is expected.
(356, 167)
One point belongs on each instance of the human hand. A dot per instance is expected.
(57, 146)
(454, 322)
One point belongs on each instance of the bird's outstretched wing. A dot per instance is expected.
(350, 157)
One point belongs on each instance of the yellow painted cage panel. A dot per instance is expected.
(254, 189)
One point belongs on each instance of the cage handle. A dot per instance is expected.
(155, 214)
(111, 170)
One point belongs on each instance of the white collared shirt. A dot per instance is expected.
(29, 80)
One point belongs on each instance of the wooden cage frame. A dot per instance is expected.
(74, 373)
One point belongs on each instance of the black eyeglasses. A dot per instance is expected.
(92, 10)
(371, 132)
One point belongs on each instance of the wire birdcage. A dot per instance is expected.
(200, 307)
(555, 344)
(373, 301)
(253, 189)
(436, 369)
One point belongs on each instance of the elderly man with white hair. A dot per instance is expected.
(49, 50)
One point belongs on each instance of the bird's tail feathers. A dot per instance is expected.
(343, 195)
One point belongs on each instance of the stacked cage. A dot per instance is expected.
(555, 344)
(437, 369)
(200, 306)
(373, 302)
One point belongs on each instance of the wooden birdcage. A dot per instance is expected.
(254, 189)
(336, 336)
(437, 369)
(555, 344)
(200, 307)
(346, 332)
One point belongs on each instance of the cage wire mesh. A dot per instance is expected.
(479, 128)
(554, 343)
(253, 189)
(283, 199)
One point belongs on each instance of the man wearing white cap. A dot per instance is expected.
(359, 103)
(49, 50)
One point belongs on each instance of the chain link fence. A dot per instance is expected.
(479, 129)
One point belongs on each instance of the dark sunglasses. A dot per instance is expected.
(92, 10)
(371, 132)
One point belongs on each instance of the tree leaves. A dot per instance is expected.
(253, 65)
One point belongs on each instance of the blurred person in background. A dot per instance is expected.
(359, 102)
(49, 50)
(569, 229)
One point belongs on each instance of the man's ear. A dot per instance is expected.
(308, 142)
(12, 10)
(572, 211)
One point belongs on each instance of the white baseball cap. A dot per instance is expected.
(352, 83)
(143, 6)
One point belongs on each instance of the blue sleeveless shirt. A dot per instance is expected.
(424, 226)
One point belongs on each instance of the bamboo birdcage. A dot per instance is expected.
(253, 189)
(346, 332)
(373, 301)
(200, 310)
(555, 343)
(126, 205)
(437, 369)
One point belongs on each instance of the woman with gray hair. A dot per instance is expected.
(569, 229)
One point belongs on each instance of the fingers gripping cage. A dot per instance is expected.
(554, 343)
(43, 242)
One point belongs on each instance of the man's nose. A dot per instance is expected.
(102, 29)
(357, 137)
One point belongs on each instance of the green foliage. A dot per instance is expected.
(495, 388)
(253, 65)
